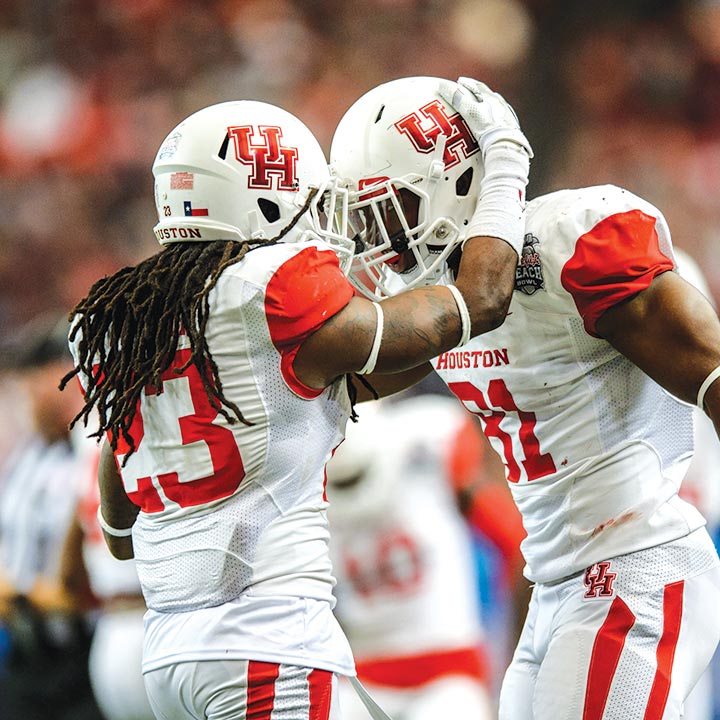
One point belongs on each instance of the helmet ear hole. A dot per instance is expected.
(269, 209)
(463, 183)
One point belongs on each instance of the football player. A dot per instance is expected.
(586, 391)
(402, 489)
(218, 369)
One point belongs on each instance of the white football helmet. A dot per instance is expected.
(412, 170)
(243, 170)
(357, 483)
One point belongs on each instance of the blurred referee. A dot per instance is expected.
(45, 673)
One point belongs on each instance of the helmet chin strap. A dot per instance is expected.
(436, 170)
(306, 206)
(453, 261)
(256, 231)
(437, 162)
(399, 242)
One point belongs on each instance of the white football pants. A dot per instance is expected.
(241, 690)
(626, 640)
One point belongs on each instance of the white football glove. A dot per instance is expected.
(489, 116)
(506, 155)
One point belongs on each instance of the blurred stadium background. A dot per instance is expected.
(623, 91)
(89, 88)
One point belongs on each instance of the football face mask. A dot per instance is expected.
(411, 169)
(396, 245)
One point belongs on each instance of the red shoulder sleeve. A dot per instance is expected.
(303, 293)
(491, 510)
(617, 259)
(465, 454)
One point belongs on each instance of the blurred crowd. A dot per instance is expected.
(89, 88)
(629, 95)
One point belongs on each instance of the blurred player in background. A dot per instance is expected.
(218, 369)
(49, 627)
(586, 391)
(404, 557)
(701, 487)
(116, 652)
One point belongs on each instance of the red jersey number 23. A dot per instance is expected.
(192, 460)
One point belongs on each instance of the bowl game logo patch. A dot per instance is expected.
(528, 274)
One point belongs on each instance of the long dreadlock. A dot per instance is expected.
(131, 322)
(130, 325)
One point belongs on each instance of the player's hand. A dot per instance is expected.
(488, 115)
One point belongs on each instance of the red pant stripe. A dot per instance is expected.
(261, 689)
(672, 617)
(606, 652)
(320, 694)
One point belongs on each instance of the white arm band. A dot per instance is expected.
(110, 530)
(375, 350)
(707, 382)
(465, 323)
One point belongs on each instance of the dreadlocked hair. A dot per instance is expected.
(130, 325)
(353, 392)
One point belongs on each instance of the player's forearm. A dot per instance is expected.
(426, 322)
(486, 279)
(117, 514)
(409, 329)
(671, 332)
(120, 548)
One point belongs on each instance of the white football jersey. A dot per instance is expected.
(594, 450)
(401, 550)
(234, 513)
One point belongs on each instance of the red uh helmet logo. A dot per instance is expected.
(268, 158)
(424, 127)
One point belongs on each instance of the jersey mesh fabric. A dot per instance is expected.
(594, 449)
(627, 400)
(301, 435)
(203, 560)
(270, 535)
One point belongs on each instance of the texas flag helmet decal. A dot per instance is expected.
(190, 210)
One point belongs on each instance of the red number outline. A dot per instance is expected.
(228, 469)
(536, 463)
